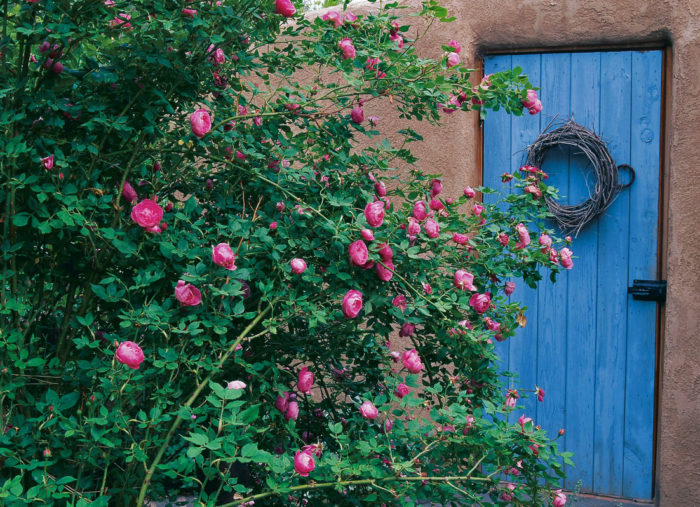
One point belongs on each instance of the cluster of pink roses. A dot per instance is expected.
(532, 103)
(337, 18)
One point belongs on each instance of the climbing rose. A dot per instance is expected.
(436, 204)
(388, 424)
(464, 280)
(187, 294)
(469, 192)
(374, 213)
(358, 253)
(367, 234)
(565, 256)
(304, 461)
(419, 211)
(368, 410)
(411, 361)
(478, 209)
(402, 390)
(282, 402)
(559, 499)
(540, 393)
(460, 239)
(399, 301)
(222, 255)
(453, 59)
(503, 239)
(352, 303)
(128, 192)
(292, 411)
(285, 8)
(480, 302)
(395, 37)
(298, 266)
(350, 17)
(385, 273)
(432, 229)
(333, 17)
(407, 329)
(530, 100)
(147, 213)
(380, 188)
(236, 384)
(546, 241)
(436, 188)
(509, 288)
(427, 288)
(456, 45)
(523, 235)
(348, 50)
(130, 354)
(189, 12)
(413, 228)
(357, 115)
(306, 380)
(200, 122)
(47, 162)
(385, 252)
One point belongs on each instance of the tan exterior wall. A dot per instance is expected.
(488, 25)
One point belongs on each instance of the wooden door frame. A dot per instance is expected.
(662, 246)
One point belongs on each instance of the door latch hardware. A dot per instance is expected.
(648, 290)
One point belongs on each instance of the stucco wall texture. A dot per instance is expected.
(453, 150)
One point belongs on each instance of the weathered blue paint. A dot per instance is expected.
(587, 343)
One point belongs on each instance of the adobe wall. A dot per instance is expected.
(484, 25)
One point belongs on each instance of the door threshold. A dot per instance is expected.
(590, 500)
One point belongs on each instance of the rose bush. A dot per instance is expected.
(144, 265)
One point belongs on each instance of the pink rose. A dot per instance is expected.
(273, 225)
(402, 390)
(130, 354)
(491, 324)
(352, 303)
(453, 59)
(333, 17)
(298, 266)
(305, 380)
(357, 115)
(367, 234)
(128, 192)
(374, 213)
(200, 122)
(407, 329)
(187, 294)
(385, 273)
(189, 12)
(368, 410)
(399, 301)
(385, 252)
(540, 393)
(292, 411)
(436, 204)
(435, 188)
(478, 209)
(395, 37)
(509, 288)
(480, 302)
(395, 356)
(413, 227)
(359, 255)
(533, 190)
(222, 255)
(503, 239)
(559, 499)
(531, 99)
(280, 206)
(411, 361)
(350, 17)
(282, 402)
(380, 188)
(419, 211)
(427, 288)
(147, 214)
(348, 50)
(432, 229)
(303, 461)
(47, 162)
(536, 108)
(388, 424)
(469, 192)
(236, 385)
(464, 280)
(565, 256)
(460, 239)
(285, 8)
(456, 45)
(523, 235)
(545, 240)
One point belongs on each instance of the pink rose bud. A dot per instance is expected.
(292, 411)
(402, 390)
(368, 410)
(349, 52)
(536, 108)
(559, 499)
(413, 227)
(399, 301)
(436, 188)
(436, 204)
(130, 354)
(395, 37)
(189, 12)
(565, 256)
(449, 200)
(427, 288)
(380, 188)
(273, 225)
(568, 239)
(209, 184)
(305, 380)
(453, 59)
(460, 239)
(411, 361)
(374, 213)
(561, 432)
(298, 265)
(282, 402)
(222, 255)
(147, 213)
(352, 303)
(357, 115)
(456, 45)
(385, 273)
(200, 122)
(432, 229)
(47, 162)
(388, 424)
(358, 253)
(280, 206)
(531, 99)
(303, 461)
(480, 302)
(187, 294)
(156, 166)
(367, 234)
(478, 209)
(419, 211)
(285, 8)
(509, 288)
(503, 239)
(540, 393)
(407, 329)
(236, 385)
(523, 236)
(385, 252)
(464, 280)
(469, 192)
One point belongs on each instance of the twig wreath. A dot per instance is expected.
(571, 219)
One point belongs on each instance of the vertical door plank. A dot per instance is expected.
(613, 237)
(582, 282)
(641, 315)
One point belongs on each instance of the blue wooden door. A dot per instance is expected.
(586, 342)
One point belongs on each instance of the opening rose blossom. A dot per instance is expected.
(304, 463)
(357, 115)
(358, 253)
(419, 211)
(386, 272)
(411, 361)
(348, 49)
(374, 213)
(305, 380)
(385, 252)
(236, 384)
(298, 266)
(432, 229)
(334, 17)
(469, 192)
(460, 239)
(480, 302)
(47, 162)
(565, 256)
(352, 303)
(523, 236)
(407, 329)
(187, 294)
(464, 280)
(200, 122)
(367, 234)
(223, 256)
(147, 213)
(285, 8)
(402, 390)
(130, 354)
(509, 288)
(368, 410)
(292, 412)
